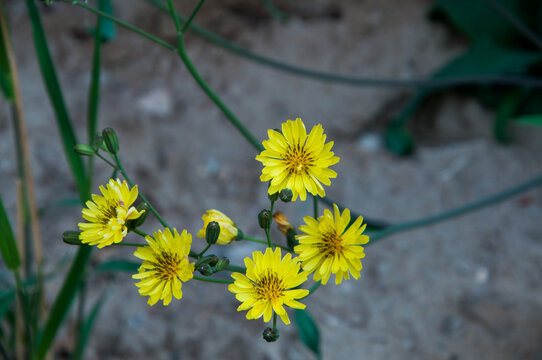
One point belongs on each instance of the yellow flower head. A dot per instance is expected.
(107, 215)
(297, 161)
(265, 288)
(327, 248)
(228, 231)
(165, 265)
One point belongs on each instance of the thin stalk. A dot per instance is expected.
(151, 208)
(139, 232)
(446, 215)
(268, 237)
(274, 320)
(81, 311)
(204, 251)
(235, 268)
(218, 281)
(107, 161)
(314, 287)
(357, 81)
(315, 206)
(259, 241)
(123, 243)
(190, 18)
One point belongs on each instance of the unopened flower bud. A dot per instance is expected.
(271, 334)
(83, 149)
(141, 207)
(240, 235)
(273, 197)
(286, 195)
(212, 260)
(212, 232)
(205, 269)
(282, 222)
(71, 237)
(111, 140)
(222, 264)
(264, 219)
(98, 142)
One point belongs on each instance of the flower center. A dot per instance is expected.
(331, 244)
(269, 286)
(108, 211)
(298, 159)
(167, 265)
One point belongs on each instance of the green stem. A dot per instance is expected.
(219, 281)
(124, 25)
(259, 241)
(151, 208)
(107, 161)
(190, 18)
(473, 206)
(139, 232)
(268, 237)
(235, 268)
(274, 320)
(314, 287)
(204, 251)
(129, 244)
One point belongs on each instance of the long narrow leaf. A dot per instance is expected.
(8, 247)
(55, 95)
(63, 302)
(118, 265)
(5, 73)
(87, 327)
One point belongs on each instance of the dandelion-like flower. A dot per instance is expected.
(228, 231)
(265, 288)
(107, 215)
(297, 161)
(165, 265)
(327, 247)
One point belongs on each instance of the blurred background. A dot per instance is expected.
(469, 288)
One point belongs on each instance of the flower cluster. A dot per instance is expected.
(294, 163)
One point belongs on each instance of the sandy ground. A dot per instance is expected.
(464, 289)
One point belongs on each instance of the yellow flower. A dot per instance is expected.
(265, 288)
(165, 265)
(297, 161)
(107, 215)
(228, 231)
(327, 248)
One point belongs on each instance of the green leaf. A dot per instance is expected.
(534, 119)
(55, 94)
(8, 247)
(62, 302)
(478, 20)
(118, 265)
(6, 299)
(86, 328)
(308, 331)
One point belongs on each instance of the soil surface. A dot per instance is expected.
(463, 289)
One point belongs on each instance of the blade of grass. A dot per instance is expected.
(8, 247)
(57, 100)
(86, 328)
(5, 73)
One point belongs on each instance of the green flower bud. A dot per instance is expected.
(264, 219)
(286, 195)
(271, 335)
(132, 224)
(273, 197)
(222, 264)
(291, 240)
(71, 237)
(98, 142)
(205, 269)
(209, 259)
(212, 232)
(111, 140)
(83, 149)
